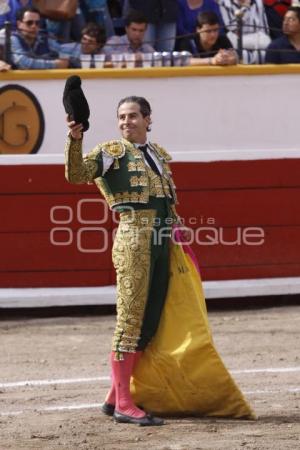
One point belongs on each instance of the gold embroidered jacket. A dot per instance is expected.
(128, 180)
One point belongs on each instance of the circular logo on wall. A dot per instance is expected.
(22, 123)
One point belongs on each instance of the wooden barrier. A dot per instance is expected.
(220, 201)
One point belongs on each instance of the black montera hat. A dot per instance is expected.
(75, 103)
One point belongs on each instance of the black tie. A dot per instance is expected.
(148, 158)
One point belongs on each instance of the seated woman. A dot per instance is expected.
(256, 36)
(208, 46)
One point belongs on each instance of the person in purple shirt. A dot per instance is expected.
(189, 11)
(133, 40)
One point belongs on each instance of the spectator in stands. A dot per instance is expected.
(275, 11)
(97, 11)
(8, 10)
(133, 40)
(188, 13)
(286, 49)
(255, 26)
(93, 39)
(161, 16)
(31, 50)
(88, 11)
(209, 47)
(92, 43)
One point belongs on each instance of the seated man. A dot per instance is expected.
(31, 50)
(286, 49)
(208, 46)
(132, 41)
(275, 11)
(92, 42)
(189, 11)
(161, 29)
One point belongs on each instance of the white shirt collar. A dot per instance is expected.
(140, 145)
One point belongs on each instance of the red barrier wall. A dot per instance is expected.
(219, 199)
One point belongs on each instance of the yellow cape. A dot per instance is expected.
(180, 372)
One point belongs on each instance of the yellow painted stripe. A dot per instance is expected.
(152, 72)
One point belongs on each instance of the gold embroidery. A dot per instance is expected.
(158, 186)
(121, 197)
(143, 180)
(144, 196)
(102, 186)
(78, 169)
(144, 183)
(90, 168)
(135, 197)
(132, 167)
(134, 181)
(138, 181)
(132, 197)
(136, 153)
(94, 153)
(161, 152)
(131, 258)
(167, 169)
(116, 149)
(140, 166)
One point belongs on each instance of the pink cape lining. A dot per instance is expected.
(179, 239)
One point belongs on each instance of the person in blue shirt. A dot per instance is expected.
(32, 50)
(286, 49)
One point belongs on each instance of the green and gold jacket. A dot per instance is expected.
(128, 180)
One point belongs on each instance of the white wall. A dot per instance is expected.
(240, 113)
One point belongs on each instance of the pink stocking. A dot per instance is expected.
(122, 371)
(111, 396)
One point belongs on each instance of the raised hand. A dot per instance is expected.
(75, 129)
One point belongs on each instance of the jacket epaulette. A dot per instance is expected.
(116, 149)
(162, 153)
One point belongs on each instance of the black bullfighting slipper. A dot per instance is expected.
(107, 408)
(146, 421)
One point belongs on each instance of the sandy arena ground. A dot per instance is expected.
(70, 354)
